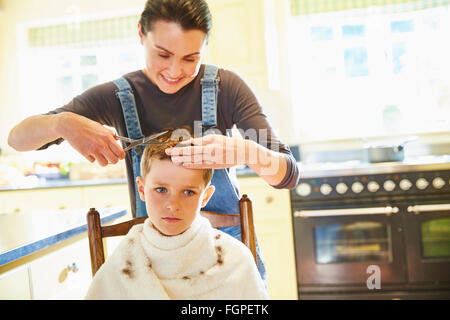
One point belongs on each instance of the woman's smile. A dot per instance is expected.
(171, 81)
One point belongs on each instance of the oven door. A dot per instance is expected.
(337, 246)
(428, 242)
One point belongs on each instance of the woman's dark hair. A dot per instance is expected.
(189, 14)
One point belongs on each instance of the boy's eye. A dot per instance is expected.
(189, 192)
(160, 189)
(165, 56)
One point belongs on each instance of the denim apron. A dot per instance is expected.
(226, 197)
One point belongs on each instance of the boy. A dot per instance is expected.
(175, 253)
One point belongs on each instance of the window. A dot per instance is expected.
(371, 71)
(60, 61)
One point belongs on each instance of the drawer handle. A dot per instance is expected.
(417, 209)
(63, 207)
(65, 272)
(74, 268)
(388, 210)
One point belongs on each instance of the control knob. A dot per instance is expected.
(303, 189)
(438, 183)
(405, 184)
(422, 183)
(357, 187)
(373, 186)
(389, 185)
(341, 188)
(326, 189)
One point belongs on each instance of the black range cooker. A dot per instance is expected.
(373, 231)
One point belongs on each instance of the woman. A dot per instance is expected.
(173, 90)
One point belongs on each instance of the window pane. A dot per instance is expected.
(88, 61)
(66, 87)
(321, 33)
(353, 31)
(355, 60)
(88, 81)
(436, 238)
(398, 51)
(402, 26)
(352, 242)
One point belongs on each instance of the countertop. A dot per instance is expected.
(25, 233)
(356, 167)
(61, 183)
(34, 184)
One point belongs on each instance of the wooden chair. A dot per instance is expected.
(96, 232)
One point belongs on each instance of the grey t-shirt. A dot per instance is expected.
(237, 104)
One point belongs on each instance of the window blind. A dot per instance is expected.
(301, 7)
(84, 32)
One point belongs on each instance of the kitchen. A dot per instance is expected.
(284, 46)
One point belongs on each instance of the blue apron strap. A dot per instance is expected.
(210, 89)
(126, 98)
(227, 199)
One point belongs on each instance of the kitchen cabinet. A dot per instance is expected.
(59, 273)
(106, 196)
(40, 199)
(47, 255)
(63, 274)
(70, 197)
(273, 224)
(15, 285)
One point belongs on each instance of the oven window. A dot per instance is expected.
(436, 238)
(353, 242)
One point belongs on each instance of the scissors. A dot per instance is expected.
(137, 142)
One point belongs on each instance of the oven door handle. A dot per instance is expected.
(428, 208)
(345, 212)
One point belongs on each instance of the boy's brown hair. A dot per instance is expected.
(168, 140)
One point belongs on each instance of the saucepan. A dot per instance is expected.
(387, 152)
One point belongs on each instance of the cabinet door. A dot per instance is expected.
(40, 199)
(273, 224)
(106, 196)
(14, 285)
(63, 274)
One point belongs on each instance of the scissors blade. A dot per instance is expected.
(153, 136)
(145, 140)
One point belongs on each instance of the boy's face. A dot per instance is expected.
(173, 195)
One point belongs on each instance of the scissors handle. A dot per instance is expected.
(126, 139)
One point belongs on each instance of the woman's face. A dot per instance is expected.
(172, 55)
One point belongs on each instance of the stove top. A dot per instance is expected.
(429, 175)
(357, 167)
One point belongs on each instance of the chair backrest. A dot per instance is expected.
(96, 232)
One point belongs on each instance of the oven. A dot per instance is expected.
(380, 231)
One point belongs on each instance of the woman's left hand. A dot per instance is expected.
(211, 151)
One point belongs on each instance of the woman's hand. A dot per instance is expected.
(90, 138)
(211, 151)
(219, 152)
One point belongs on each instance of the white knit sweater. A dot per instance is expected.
(200, 264)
